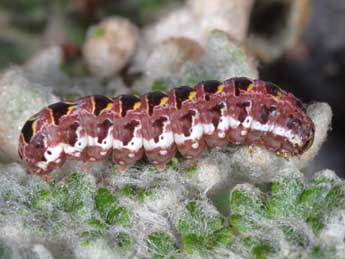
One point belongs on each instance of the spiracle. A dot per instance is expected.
(157, 125)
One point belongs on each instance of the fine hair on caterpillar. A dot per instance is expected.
(157, 125)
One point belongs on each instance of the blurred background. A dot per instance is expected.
(314, 71)
(299, 45)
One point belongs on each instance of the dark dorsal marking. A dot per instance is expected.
(241, 83)
(182, 94)
(293, 122)
(101, 102)
(28, 131)
(272, 88)
(102, 130)
(211, 86)
(158, 128)
(58, 110)
(187, 122)
(154, 99)
(129, 131)
(127, 103)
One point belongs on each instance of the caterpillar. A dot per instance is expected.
(157, 124)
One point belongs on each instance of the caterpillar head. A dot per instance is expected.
(304, 131)
(40, 153)
(307, 133)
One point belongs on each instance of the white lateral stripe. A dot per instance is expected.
(234, 123)
(165, 140)
(195, 135)
(134, 145)
(208, 128)
(277, 130)
(79, 145)
(224, 123)
(247, 122)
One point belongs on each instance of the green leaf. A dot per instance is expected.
(261, 251)
(124, 241)
(161, 245)
(244, 203)
(96, 223)
(284, 197)
(295, 236)
(316, 223)
(194, 244)
(105, 201)
(120, 215)
(200, 232)
(41, 198)
(319, 252)
(134, 191)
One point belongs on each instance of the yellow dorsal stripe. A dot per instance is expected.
(109, 106)
(164, 101)
(278, 96)
(250, 87)
(70, 109)
(220, 88)
(191, 95)
(34, 127)
(136, 105)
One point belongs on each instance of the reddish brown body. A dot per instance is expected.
(213, 113)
